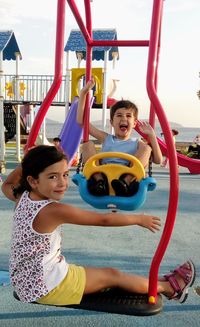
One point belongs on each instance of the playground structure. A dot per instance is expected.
(29, 91)
(156, 108)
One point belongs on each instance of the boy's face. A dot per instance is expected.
(123, 123)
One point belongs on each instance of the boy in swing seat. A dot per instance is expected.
(123, 119)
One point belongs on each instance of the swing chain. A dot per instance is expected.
(80, 165)
(150, 167)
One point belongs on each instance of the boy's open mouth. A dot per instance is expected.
(123, 127)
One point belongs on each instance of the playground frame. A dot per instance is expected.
(156, 108)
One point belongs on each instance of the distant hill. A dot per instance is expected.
(98, 124)
(51, 121)
(53, 127)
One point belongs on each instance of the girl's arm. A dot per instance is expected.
(56, 214)
(11, 182)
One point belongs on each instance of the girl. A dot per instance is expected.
(38, 270)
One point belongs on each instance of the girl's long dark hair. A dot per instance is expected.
(35, 162)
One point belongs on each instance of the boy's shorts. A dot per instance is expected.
(69, 291)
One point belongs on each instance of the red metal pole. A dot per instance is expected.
(75, 11)
(152, 114)
(88, 70)
(174, 180)
(121, 43)
(57, 74)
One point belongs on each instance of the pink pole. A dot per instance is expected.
(152, 114)
(174, 180)
(88, 71)
(57, 74)
(121, 43)
(75, 11)
(87, 33)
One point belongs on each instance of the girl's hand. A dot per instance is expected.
(150, 222)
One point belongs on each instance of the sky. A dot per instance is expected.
(34, 25)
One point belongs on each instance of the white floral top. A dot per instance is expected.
(36, 263)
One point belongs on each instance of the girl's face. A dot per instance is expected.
(123, 123)
(51, 183)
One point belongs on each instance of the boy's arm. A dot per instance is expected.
(149, 131)
(82, 98)
(156, 152)
(143, 153)
(95, 132)
(11, 182)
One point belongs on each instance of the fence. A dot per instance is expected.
(32, 89)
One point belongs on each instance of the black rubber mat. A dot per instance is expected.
(118, 301)
(121, 302)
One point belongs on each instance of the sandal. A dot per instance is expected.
(197, 290)
(187, 273)
(121, 188)
(98, 188)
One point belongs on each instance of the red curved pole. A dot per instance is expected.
(87, 33)
(88, 70)
(57, 74)
(174, 179)
(77, 16)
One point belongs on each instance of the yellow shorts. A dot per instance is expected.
(69, 291)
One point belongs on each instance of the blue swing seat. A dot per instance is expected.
(111, 201)
(113, 171)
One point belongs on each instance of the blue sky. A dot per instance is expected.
(34, 22)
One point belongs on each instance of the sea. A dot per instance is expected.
(186, 134)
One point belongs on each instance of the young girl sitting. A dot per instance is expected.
(38, 270)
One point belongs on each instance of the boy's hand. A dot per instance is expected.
(89, 85)
(150, 222)
(146, 128)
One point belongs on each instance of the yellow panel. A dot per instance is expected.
(77, 73)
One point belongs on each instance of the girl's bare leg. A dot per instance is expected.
(100, 278)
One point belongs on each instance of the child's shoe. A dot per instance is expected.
(121, 188)
(98, 188)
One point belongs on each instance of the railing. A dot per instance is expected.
(31, 89)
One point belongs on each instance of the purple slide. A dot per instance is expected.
(71, 132)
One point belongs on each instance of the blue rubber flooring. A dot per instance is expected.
(127, 248)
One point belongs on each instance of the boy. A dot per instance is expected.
(123, 118)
